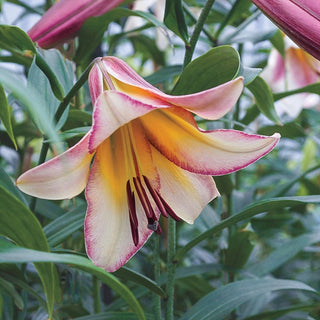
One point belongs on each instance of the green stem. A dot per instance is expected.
(156, 270)
(171, 268)
(197, 30)
(204, 29)
(96, 295)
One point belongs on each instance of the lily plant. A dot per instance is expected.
(294, 70)
(65, 18)
(298, 19)
(143, 157)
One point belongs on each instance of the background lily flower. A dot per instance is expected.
(64, 19)
(148, 158)
(293, 71)
(299, 19)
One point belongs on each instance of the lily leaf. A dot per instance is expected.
(92, 31)
(218, 304)
(27, 232)
(18, 43)
(264, 99)
(215, 67)
(13, 254)
(248, 212)
(5, 115)
(174, 19)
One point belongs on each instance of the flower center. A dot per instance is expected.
(139, 187)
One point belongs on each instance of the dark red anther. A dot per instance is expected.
(155, 197)
(168, 208)
(132, 214)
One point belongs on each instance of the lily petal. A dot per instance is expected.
(62, 177)
(108, 234)
(112, 110)
(214, 152)
(301, 63)
(210, 104)
(185, 192)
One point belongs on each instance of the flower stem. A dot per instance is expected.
(96, 295)
(171, 268)
(156, 270)
(196, 32)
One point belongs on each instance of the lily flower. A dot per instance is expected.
(298, 19)
(292, 71)
(65, 18)
(143, 157)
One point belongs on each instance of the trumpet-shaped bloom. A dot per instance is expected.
(293, 71)
(299, 19)
(143, 157)
(65, 18)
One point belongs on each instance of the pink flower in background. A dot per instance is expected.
(295, 70)
(144, 156)
(65, 18)
(299, 19)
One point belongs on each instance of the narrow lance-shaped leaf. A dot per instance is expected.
(219, 303)
(5, 115)
(27, 232)
(12, 254)
(264, 99)
(174, 19)
(248, 212)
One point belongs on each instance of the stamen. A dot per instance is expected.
(168, 208)
(155, 197)
(147, 207)
(132, 214)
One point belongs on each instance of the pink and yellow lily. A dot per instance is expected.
(292, 71)
(143, 157)
(65, 18)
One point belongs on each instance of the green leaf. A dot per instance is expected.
(92, 31)
(5, 115)
(19, 224)
(215, 67)
(264, 99)
(249, 74)
(164, 74)
(7, 184)
(290, 130)
(237, 10)
(74, 133)
(54, 82)
(174, 19)
(276, 314)
(131, 275)
(52, 75)
(219, 303)
(239, 249)
(312, 88)
(23, 285)
(277, 41)
(62, 227)
(110, 316)
(284, 253)
(246, 213)
(32, 100)
(13, 254)
(17, 42)
(11, 291)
